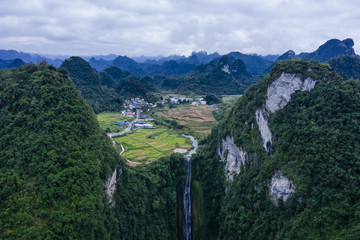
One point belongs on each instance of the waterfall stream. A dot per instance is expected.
(187, 202)
(187, 191)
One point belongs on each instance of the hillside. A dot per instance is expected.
(254, 64)
(8, 64)
(123, 83)
(60, 175)
(28, 57)
(332, 48)
(172, 65)
(87, 82)
(284, 162)
(211, 78)
(54, 158)
(346, 65)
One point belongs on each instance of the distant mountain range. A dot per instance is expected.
(330, 49)
(224, 76)
(27, 57)
(105, 79)
(178, 65)
(172, 65)
(7, 64)
(106, 90)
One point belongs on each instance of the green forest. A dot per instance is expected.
(55, 160)
(316, 143)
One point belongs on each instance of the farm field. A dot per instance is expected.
(230, 99)
(199, 119)
(147, 145)
(107, 121)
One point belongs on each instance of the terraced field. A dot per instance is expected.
(147, 145)
(198, 119)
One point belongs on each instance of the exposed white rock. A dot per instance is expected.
(308, 84)
(279, 92)
(262, 121)
(281, 187)
(234, 158)
(111, 187)
(278, 96)
(225, 68)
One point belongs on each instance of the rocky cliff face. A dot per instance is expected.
(278, 95)
(110, 186)
(261, 116)
(233, 155)
(279, 92)
(280, 187)
(294, 136)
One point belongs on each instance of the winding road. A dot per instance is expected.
(126, 130)
(130, 127)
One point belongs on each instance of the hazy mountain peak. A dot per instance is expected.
(331, 48)
(287, 55)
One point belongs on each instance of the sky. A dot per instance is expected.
(165, 27)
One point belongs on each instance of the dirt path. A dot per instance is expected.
(131, 163)
(126, 130)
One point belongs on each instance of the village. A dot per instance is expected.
(138, 108)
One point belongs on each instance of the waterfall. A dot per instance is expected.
(186, 225)
(187, 202)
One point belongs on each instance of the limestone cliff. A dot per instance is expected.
(233, 156)
(110, 186)
(278, 95)
(283, 162)
(280, 187)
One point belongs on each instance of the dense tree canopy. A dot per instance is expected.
(53, 158)
(315, 143)
(55, 161)
(346, 66)
(88, 83)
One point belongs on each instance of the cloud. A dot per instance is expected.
(141, 27)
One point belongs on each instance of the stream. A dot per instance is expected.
(186, 225)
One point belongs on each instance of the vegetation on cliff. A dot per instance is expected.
(55, 161)
(88, 83)
(315, 144)
(346, 66)
(53, 158)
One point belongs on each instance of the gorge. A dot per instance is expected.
(186, 223)
(282, 160)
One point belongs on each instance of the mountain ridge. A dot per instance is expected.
(273, 159)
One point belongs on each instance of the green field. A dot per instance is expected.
(230, 99)
(146, 145)
(108, 121)
(198, 119)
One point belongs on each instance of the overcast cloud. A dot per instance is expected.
(164, 27)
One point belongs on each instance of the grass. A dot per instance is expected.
(108, 121)
(147, 145)
(199, 119)
(230, 98)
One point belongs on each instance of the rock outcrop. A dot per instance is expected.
(225, 69)
(280, 187)
(262, 120)
(233, 156)
(111, 187)
(279, 92)
(278, 95)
